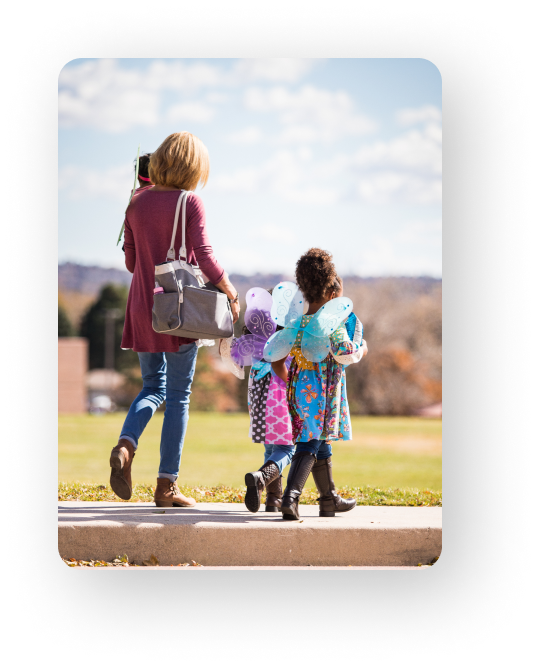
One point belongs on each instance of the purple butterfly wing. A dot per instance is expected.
(247, 349)
(258, 298)
(259, 322)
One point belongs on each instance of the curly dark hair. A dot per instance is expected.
(144, 162)
(316, 275)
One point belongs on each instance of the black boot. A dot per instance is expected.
(301, 465)
(330, 502)
(256, 482)
(274, 492)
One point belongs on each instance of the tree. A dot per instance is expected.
(65, 327)
(402, 326)
(111, 302)
(213, 389)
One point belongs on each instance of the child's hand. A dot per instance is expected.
(364, 346)
(280, 369)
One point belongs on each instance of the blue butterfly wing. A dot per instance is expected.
(361, 327)
(329, 317)
(350, 325)
(287, 303)
(279, 344)
(315, 348)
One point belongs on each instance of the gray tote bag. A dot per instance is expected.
(189, 306)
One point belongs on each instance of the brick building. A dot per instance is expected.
(72, 370)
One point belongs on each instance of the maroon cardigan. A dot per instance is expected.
(149, 223)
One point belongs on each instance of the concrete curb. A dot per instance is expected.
(226, 534)
(200, 569)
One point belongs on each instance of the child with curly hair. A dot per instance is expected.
(316, 392)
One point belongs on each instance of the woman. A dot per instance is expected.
(167, 362)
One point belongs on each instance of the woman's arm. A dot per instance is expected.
(204, 253)
(228, 288)
(280, 369)
(129, 247)
(197, 234)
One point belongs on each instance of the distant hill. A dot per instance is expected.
(90, 279)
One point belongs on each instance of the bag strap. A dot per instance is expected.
(182, 200)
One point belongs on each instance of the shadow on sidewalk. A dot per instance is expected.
(125, 514)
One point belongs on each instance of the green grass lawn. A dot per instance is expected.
(385, 451)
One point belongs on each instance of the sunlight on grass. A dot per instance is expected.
(365, 496)
(385, 452)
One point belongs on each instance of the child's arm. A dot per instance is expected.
(346, 350)
(280, 369)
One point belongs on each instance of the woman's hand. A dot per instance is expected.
(235, 308)
(228, 288)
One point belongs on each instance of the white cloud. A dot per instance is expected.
(384, 187)
(417, 151)
(110, 96)
(289, 70)
(216, 98)
(405, 169)
(387, 256)
(250, 135)
(418, 115)
(244, 261)
(99, 94)
(422, 232)
(191, 111)
(272, 234)
(80, 183)
(178, 75)
(104, 95)
(310, 114)
(292, 175)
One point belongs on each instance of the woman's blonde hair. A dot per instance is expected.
(181, 161)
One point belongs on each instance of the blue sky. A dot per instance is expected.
(344, 154)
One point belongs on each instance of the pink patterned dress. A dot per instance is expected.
(270, 422)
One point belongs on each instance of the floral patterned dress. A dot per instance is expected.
(316, 393)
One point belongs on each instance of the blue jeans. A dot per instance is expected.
(321, 449)
(279, 454)
(166, 377)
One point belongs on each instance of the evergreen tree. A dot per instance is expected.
(112, 298)
(65, 327)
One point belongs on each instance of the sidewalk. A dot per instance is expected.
(226, 534)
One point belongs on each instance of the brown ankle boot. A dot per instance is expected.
(274, 492)
(301, 465)
(256, 482)
(121, 460)
(168, 495)
(330, 502)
